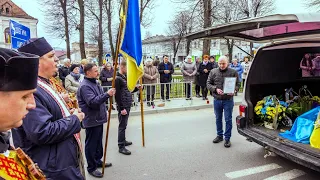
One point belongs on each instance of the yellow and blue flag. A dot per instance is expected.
(131, 44)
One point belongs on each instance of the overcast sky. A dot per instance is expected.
(164, 10)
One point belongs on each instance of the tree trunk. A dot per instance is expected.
(188, 47)
(109, 15)
(174, 51)
(81, 29)
(251, 49)
(206, 24)
(230, 44)
(100, 41)
(66, 26)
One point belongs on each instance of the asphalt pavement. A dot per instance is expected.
(179, 147)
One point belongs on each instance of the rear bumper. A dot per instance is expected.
(294, 154)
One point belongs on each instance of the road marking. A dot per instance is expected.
(287, 175)
(250, 171)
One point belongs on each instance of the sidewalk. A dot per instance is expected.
(176, 105)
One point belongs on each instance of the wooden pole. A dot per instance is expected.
(113, 85)
(142, 113)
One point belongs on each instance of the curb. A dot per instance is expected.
(174, 109)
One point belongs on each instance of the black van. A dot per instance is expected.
(276, 67)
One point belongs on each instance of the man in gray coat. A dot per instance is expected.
(222, 102)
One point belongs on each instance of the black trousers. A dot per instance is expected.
(204, 91)
(168, 87)
(187, 89)
(197, 89)
(123, 122)
(93, 147)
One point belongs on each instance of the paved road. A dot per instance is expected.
(179, 147)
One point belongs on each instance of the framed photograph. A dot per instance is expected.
(229, 85)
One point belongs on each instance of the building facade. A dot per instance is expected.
(157, 46)
(10, 11)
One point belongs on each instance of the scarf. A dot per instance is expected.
(75, 76)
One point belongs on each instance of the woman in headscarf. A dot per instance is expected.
(73, 80)
(189, 71)
(150, 77)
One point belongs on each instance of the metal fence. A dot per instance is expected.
(158, 92)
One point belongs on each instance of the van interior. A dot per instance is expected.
(274, 70)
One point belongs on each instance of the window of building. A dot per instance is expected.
(7, 10)
(7, 35)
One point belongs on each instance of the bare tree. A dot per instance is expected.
(113, 6)
(255, 8)
(58, 20)
(177, 29)
(314, 4)
(147, 35)
(95, 8)
(146, 7)
(80, 27)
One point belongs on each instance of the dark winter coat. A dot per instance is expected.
(196, 78)
(106, 77)
(63, 73)
(123, 95)
(216, 80)
(92, 101)
(48, 138)
(165, 78)
(202, 75)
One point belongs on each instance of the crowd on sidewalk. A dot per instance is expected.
(55, 104)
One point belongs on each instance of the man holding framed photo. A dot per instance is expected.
(223, 82)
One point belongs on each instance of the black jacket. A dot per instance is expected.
(202, 75)
(63, 73)
(104, 76)
(216, 80)
(123, 95)
(165, 78)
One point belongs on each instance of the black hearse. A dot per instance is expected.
(276, 67)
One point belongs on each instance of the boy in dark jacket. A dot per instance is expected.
(124, 101)
(92, 100)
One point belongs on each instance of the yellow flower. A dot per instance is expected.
(269, 117)
(280, 117)
(257, 108)
(258, 113)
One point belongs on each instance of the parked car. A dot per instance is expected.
(275, 67)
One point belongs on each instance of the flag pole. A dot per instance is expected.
(142, 113)
(113, 85)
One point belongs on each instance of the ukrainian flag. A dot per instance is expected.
(131, 44)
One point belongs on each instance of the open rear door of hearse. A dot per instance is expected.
(278, 27)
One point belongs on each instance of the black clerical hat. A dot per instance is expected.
(37, 46)
(18, 71)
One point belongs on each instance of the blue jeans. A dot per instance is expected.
(225, 106)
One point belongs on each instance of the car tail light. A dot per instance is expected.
(242, 110)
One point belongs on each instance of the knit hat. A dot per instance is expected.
(73, 66)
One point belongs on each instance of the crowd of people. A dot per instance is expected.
(54, 110)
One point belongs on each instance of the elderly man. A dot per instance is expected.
(49, 134)
(65, 70)
(17, 86)
(222, 102)
(92, 100)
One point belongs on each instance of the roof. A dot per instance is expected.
(158, 38)
(263, 28)
(16, 11)
(60, 53)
